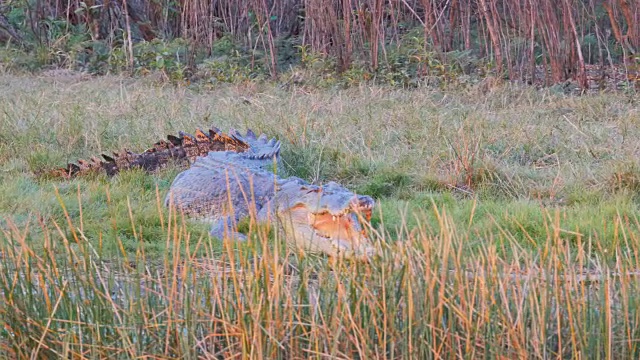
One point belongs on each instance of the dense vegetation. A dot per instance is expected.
(398, 42)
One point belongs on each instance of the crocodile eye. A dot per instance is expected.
(308, 189)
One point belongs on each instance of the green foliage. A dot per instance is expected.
(71, 47)
(227, 45)
(61, 46)
(408, 65)
(414, 61)
(168, 58)
(226, 70)
(230, 63)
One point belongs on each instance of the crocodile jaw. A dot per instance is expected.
(335, 233)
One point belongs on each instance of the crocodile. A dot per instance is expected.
(231, 177)
(182, 150)
(225, 187)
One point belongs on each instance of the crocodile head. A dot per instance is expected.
(324, 219)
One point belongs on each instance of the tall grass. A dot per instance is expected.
(422, 298)
(507, 222)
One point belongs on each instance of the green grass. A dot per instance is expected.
(519, 150)
(492, 207)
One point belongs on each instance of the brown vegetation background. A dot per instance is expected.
(561, 36)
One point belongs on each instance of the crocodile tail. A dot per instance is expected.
(183, 149)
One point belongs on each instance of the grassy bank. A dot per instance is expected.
(505, 155)
(508, 218)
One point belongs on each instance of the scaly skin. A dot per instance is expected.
(182, 149)
(232, 177)
(225, 187)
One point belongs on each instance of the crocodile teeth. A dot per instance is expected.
(364, 206)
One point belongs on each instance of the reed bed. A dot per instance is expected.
(421, 298)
